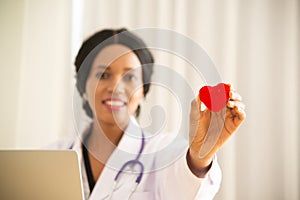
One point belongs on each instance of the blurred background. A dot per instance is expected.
(254, 44)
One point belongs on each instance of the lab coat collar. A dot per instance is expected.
(127, 149)
(131, 138)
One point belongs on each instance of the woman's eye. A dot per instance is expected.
(103, 75)
(130, 77)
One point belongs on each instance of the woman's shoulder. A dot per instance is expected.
(61, 144)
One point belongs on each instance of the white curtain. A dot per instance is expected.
(253, 44)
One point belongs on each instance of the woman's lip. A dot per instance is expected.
(114, 103)
(116, 100)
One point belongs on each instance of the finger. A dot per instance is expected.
(237, 115)
(195, 111)
(194, 119)
(229, 84)
(201, 105)
(233, 95)
(232, 104)
(198, 109)
(198, 102)
(240, 113)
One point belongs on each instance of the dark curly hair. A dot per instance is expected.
(95, 43)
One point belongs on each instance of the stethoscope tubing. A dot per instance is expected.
(135, 161)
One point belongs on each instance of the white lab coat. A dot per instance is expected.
(167, 175)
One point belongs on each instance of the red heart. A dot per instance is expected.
(215, 97)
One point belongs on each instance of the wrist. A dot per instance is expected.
(199, 167)
(197, 161)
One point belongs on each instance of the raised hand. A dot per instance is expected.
(210, 130)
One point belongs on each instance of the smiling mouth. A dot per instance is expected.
(114, 104)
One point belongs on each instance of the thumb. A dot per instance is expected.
(195, 110)
(204, 113)
(199, 119)
(194, 117)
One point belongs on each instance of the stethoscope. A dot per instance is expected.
(131, 163)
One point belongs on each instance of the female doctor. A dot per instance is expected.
(118, 159)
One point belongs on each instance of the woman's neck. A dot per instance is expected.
(103, 139)
(111, 133)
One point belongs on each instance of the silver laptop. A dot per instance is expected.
(40, 175)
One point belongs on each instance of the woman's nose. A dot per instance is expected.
(116, 85)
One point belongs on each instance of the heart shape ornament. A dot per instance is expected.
(215, 97)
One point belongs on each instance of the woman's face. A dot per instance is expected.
(114, 86)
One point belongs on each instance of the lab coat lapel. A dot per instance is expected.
(85, 185)
(127, 149)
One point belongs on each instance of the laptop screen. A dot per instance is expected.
(40, 175)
